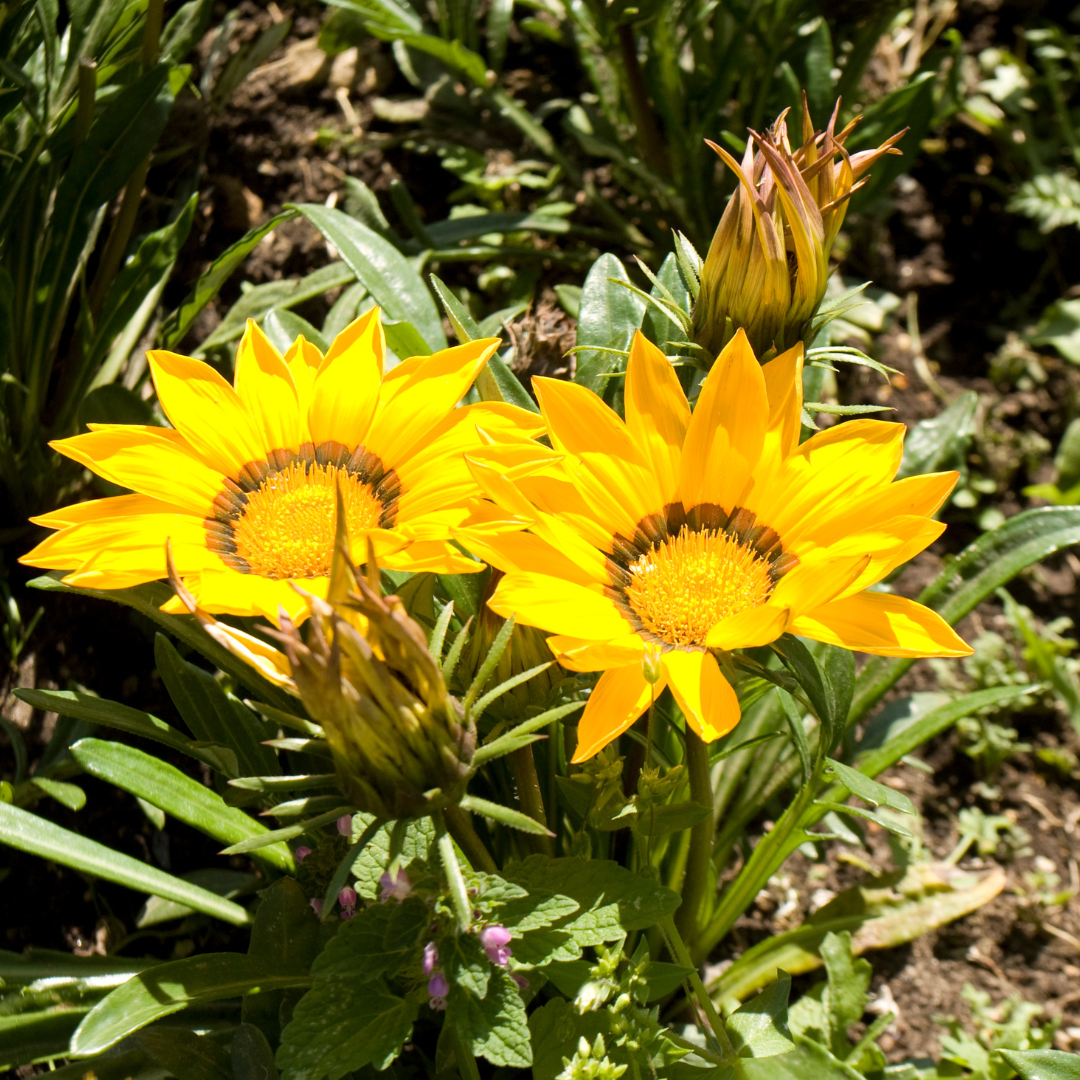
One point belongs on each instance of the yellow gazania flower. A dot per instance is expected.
(656, 541)
(768, 263)
(243, 484)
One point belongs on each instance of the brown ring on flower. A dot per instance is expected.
(685, 570)
(275, 517)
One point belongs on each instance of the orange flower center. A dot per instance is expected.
(680, 589)
(278, 519)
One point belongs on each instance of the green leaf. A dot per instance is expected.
(252, 1058)
(497, 382)
(143, 274)
(290, 832)
(279, 295)
(464, 326)
(186, 1055)
(942, 441)
(211, 714)
(662, 820)
(180, 796)
(370, 865)
(283, 327)
(389, 21)
(848, 982)
(404, 339)
(808, 1059)
(454, 230)
(167, 989)
(286, 938)
(375, 942)
(466, 964)
(830, 703)
(608, 316)
(759, 1028)
(612, 900)
(870, 791)
(495, 1026)
(987, 564)
(1059, 327)
(655, 324)
(514, 819)
(902, 738)
(227, 883)
(112, 714)
(70, 795)
(26, 832)
(535, 910)
(383, 270)
(147, 600)
(117, 142)
(338, 1029)
(662, 979)
(1043, 1064)
(207, 287)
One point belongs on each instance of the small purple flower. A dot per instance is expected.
(522, 982)
(302, 853)
(316, 906)
(347, 901)
(344, 825)
(438, 988)
(495, 940)
(394, 888)
(431, 957)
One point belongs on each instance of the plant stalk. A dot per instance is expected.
(699, 858)
(84, 115)
(680, 953)
(641, 111)
(461, 829)
(770, 852)
(532, 801)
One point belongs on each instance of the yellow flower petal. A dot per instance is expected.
(576, 654)
(657, 414)
(560, 607)
(346, 390)
(620, 697)
(206, 411)
(434, 386)
(614, 475)
(882, 624)
(727, 430)
(265, 385)
(157, 462)
(750, 628)
(117, 506)
(706, 698)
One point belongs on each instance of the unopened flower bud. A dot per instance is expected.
(347, 899)
(523, 983)
(316, 906)
(768, 264)
(344, 825)
(302, 853)
(431, 957)
(495, 941)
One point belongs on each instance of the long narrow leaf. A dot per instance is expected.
(29, 833)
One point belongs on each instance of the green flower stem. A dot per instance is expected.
(529, 796)
(772, 849)
(461, 829)
(680, 953)
(459, 895)
(699, 859)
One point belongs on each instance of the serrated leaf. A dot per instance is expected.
(758, 1029)
(341, 1027)
(612, 900)
(466, 964)
(496, 1026)
(375, 942)
(371, 863)
(538, 948)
